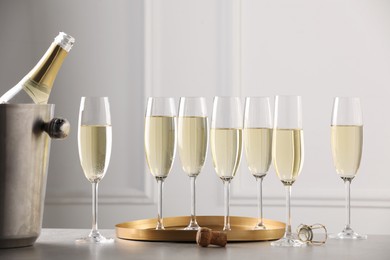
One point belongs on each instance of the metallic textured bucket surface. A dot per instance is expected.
(24, 157)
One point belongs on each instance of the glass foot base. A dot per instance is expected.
(288, 242)
(227, 227)
(347, 233)
(160, 225)
(259, 226)
(95, 238)
(192, 226)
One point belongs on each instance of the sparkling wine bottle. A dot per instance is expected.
(39, 81)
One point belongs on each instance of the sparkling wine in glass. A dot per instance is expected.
(258, 144)
(192, 143)
(287, 154)
(347, 142)
(94, 142)
(160, 143)
(226, 143)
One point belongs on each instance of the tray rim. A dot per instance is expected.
(127, 230)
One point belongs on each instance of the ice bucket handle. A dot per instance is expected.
(57, 128)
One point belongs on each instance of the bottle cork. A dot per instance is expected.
(205, 237)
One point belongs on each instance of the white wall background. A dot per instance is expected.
(129, 50)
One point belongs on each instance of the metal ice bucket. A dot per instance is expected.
(24, 161)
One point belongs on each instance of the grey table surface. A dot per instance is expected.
(60, 244)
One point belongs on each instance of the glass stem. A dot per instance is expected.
(259, 181)
(160, 225)
(94, 208)
(226, 184)
(193, 199)
(288, 233)
(347, 183)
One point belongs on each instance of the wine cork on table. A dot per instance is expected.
(205, 237)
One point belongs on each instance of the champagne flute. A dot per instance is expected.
(347, 142)
(258, 144)
(192, 143)
(226, 143)
(160, 143)
(94, 142)
(287, 154)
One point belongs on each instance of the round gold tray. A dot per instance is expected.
(242, 229)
